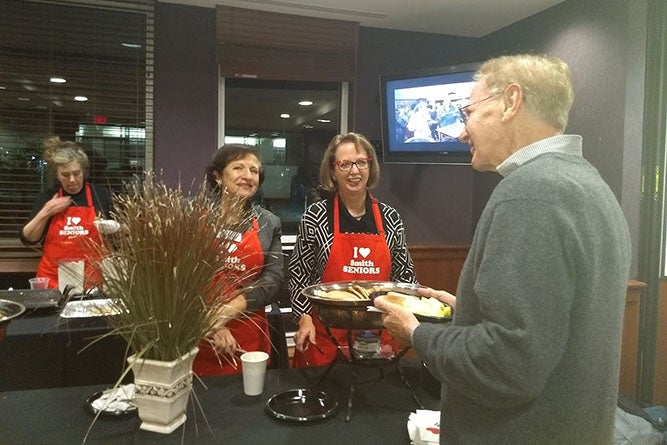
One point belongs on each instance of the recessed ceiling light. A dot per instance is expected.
(307, 126)
(23, 99)
(57, 80)
(325, 121)
(306, 103)
(285, 116)
(2, 87)
(131, 45)
(80, 98)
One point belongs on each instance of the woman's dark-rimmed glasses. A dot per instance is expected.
(361, 163)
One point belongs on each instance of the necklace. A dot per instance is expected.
(358, 203)
(357, 216)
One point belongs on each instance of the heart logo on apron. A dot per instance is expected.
(76, 220)
(364, 251)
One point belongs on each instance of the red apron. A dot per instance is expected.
(251, 330)
(65, 239)
(347, 248)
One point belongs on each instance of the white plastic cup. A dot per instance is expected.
(254, 370)
(70, 272)
(39, 283)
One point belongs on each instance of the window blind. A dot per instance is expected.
(103, 50)
(274, 46)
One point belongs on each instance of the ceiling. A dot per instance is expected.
(466, 18)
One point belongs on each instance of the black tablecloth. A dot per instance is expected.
(381, 407)
(43, 350)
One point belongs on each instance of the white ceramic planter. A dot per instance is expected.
(161, 391)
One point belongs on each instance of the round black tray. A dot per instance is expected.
(301, 405)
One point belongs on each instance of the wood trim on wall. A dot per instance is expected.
(19, 265)
(438, 266)
(660, 373)
(17, 258)
(630, 340)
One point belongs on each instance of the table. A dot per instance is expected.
(43, 350)
(382, 407)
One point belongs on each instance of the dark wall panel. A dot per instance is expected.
(186, 85)
(605, 48)
(593, 41)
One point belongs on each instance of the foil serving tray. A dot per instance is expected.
(89, 308)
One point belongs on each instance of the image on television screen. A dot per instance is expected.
(430, 113)
(421, 118)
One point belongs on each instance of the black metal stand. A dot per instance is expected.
(379, 362)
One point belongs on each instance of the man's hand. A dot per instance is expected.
(442, 295)
(399, 321)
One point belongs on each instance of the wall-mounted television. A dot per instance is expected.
(420, 117)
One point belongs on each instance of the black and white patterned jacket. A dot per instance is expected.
(313, 246)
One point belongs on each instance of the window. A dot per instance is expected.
(291, 146)
(79, 70)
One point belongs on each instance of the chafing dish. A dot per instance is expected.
(352, 313)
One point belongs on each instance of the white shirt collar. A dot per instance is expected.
(569, 144)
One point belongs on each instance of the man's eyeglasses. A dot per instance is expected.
(464, 110)
(361, 163)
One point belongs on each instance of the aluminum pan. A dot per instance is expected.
(89, 308)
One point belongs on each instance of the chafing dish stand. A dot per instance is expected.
(351, 358)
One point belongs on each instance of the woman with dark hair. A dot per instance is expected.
(254, 258)
(348, 228)
(63, 216)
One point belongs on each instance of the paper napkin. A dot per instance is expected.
(424, 427)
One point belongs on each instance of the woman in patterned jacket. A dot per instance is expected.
(350, 236)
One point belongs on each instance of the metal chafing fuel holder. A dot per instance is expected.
(353, 316)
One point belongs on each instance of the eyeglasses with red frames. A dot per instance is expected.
(361, 163)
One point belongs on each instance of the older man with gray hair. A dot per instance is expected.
(532, 356)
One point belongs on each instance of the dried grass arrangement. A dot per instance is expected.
(161, 268)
